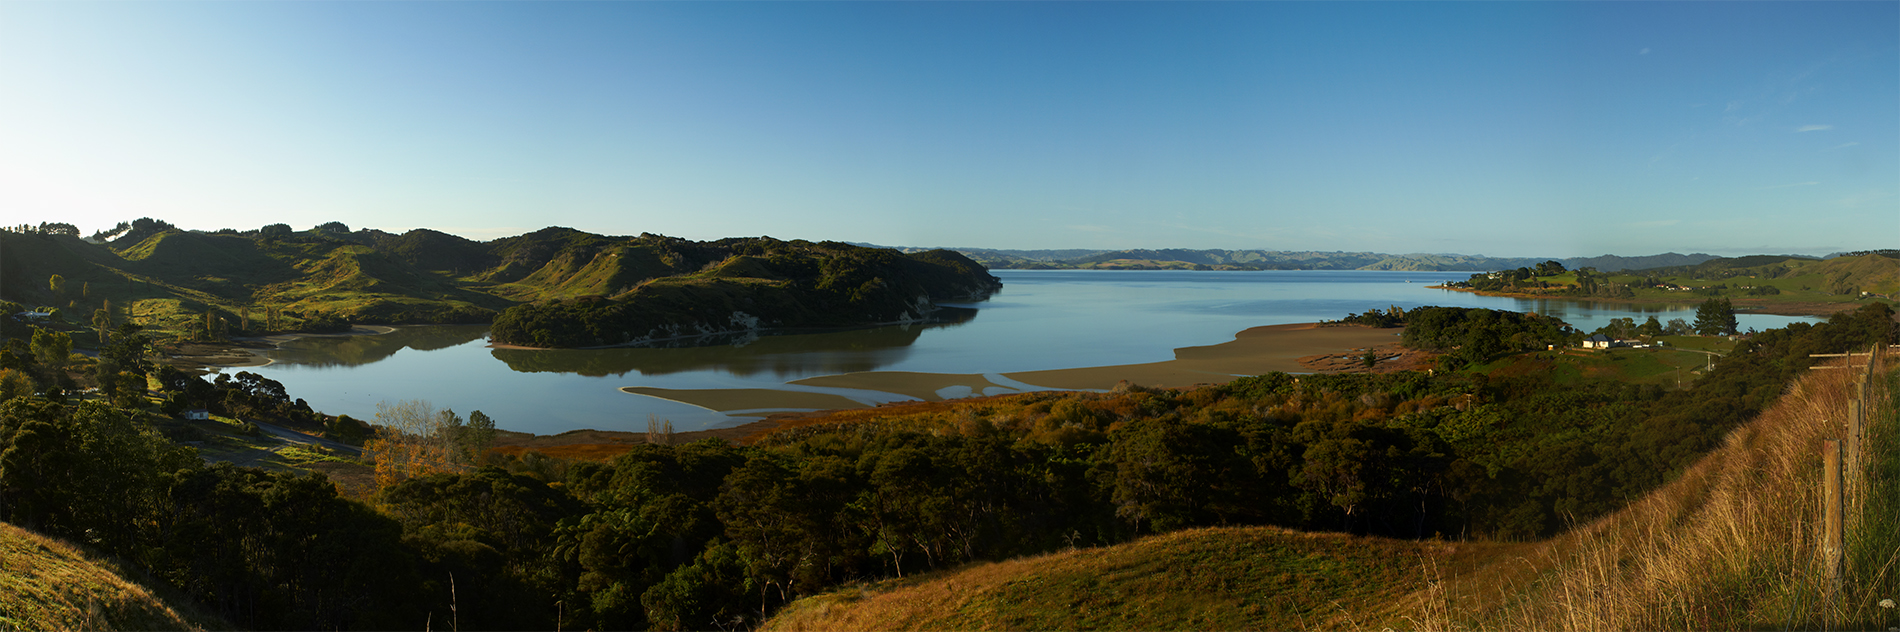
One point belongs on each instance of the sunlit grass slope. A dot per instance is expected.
(1236, 578)
(50, 585)
(1730, 544)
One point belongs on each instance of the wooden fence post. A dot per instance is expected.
(1831, 536)
(1853, 429)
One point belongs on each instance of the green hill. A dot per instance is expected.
(658, 288)
(437, 251)
(46, 584)
(169, 279)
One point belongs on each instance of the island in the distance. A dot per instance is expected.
(687, 289)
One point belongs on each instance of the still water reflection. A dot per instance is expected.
(783, 356)
(1041, 320)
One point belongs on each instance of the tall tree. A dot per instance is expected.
(102, 321)
(476, 437)
(1716, 317)
(129, 349)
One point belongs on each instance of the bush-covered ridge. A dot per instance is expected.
(744, 284)
(213, 284)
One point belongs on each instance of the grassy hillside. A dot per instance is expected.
(168, 279)
(1729, 544)
(46, 584)
(1235, 578)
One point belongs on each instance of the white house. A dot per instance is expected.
(1597, 341)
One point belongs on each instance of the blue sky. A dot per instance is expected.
(1507, 129)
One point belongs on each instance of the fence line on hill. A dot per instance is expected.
(1843, 480)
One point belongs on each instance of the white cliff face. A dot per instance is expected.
(918, 311)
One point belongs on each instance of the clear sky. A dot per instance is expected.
(1506, 129)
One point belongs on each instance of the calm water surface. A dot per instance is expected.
(1043, 319)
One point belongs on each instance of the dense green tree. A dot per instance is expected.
(1168, 474)
(52, 349)
(772, 524)
(1650, 328)
(14, 383)
(83, 472)
(130, 350)
(1715, 317)
(475, 437)
(269, 550)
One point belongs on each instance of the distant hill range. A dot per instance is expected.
(552, 287)
(1181, 259)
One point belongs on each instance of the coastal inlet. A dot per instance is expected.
(1034, 333)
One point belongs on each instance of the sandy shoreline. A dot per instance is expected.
(1251, 352)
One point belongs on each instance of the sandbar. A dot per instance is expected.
(731, 399)
(1251, 352)
(925, 386)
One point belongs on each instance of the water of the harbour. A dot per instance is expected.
(1043, 319)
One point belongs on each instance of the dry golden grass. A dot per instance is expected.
(1229, 578)
(1731, 544)
(46, 584)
